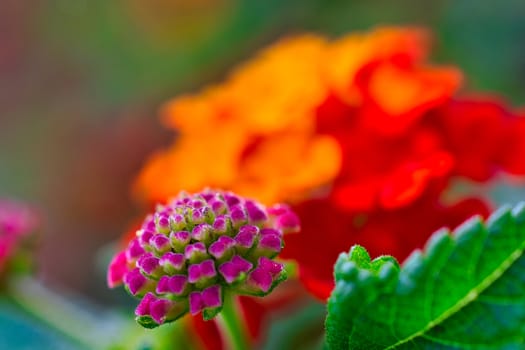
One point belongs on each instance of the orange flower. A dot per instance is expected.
(257, 133)
(254, 134)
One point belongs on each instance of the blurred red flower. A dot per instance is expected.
(328, 230)
(483, 136)
(469, 138)
(387, 196)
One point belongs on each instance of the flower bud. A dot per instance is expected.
(197, 248)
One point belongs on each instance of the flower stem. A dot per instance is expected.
(87, 329)
(232, 328)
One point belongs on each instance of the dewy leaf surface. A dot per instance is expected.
(465, 290)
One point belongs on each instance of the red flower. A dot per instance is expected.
(396, 91)
(483, 136)
(327, 230)
(378, 170)
(466, 138)
(394, 172)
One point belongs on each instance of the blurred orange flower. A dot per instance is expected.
(256, 133)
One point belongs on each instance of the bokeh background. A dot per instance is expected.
(82, 80)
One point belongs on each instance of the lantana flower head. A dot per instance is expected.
(197, 248)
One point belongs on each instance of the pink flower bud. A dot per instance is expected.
(196, 248)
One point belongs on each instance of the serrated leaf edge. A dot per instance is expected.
(487, 282)
(473, 295)
(518, 216)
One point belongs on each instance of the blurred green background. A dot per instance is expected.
(81, 81)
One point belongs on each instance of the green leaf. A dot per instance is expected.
(465, 290)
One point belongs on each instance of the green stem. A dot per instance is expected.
(87, 329)
(231, 326)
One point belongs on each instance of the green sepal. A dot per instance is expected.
(146, 322)
(210, 313)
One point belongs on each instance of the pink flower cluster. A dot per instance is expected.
(192, 251)
(16, 222)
